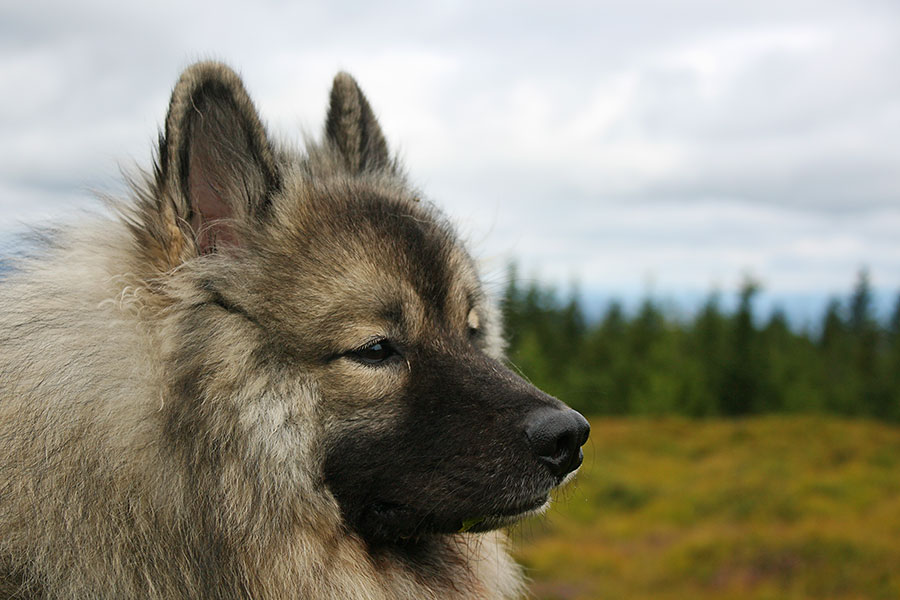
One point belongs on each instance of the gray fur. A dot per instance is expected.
(166, 398)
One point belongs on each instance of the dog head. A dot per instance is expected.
(332, 326)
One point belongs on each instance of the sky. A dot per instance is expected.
(654, 146)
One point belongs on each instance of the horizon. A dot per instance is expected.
(803, 310)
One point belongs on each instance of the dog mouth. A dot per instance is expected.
(385, 520)
(390, 521)
(506, 517)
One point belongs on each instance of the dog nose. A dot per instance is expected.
(556, 437)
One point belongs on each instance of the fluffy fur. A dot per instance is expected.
(275, 376)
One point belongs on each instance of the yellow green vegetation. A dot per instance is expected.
(763, 508)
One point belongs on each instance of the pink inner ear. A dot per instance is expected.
(210, 213)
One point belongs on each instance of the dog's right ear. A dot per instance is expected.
(217, 167)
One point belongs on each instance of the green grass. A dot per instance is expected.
(767, 508)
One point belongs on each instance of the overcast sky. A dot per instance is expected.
(671, 146)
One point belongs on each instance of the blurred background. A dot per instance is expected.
(690, 210)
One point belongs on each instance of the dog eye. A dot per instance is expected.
(375, 353)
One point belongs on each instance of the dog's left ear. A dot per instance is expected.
(216, 162)
(352, 129)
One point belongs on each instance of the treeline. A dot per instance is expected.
(725, 363)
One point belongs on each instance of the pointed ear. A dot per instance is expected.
(352, 129)
(216, 161)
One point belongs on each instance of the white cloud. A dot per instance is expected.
(606, 141)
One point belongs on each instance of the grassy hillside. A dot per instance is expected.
(766, 508)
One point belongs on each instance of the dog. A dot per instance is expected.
(269, 374)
